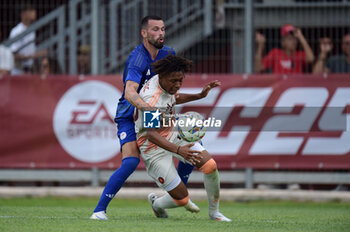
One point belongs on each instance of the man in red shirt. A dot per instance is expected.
(286, 60)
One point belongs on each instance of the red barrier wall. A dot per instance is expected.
(67, 122)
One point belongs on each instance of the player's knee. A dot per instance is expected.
(131, 162)
(182, 202)
(209, 167)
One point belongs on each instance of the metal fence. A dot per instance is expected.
(109, 30)
(219, 36)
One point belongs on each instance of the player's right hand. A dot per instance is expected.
(260, 38)
(190, 155)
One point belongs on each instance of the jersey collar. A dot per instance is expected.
(148, 54)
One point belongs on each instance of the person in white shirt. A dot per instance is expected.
(6, 60)
(24, 50)
(159, 146)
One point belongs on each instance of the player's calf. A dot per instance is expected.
(212, 187)
(181, 197)
(182, 202)
(187, 204)
(177, 197)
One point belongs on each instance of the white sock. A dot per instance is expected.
(165, 202)
(212, 186)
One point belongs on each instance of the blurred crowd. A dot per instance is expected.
(23, 57)
(288, 59)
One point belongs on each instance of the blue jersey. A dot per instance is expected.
(138, 69)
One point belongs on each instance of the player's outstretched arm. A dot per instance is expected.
(184, 151)
(183, 98)
(133, 97)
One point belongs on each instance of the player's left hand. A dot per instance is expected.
(208, 87)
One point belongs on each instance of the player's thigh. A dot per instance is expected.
(130, 149)
(161, 168)
(127, 138)
(203, 154)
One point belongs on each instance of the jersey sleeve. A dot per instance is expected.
(134, 74)
(146, 92)
(151, 93)
(135, 68)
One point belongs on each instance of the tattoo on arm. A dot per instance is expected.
(134, 97)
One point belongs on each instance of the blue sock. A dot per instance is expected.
(116, 181)
(184, 170)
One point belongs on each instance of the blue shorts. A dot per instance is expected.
(126, 132)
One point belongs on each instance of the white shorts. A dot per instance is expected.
(160, 165)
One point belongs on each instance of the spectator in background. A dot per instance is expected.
(24, 49)
(48, 65)
(84, 60)
(6, 60)
(326, 47)
(286, 60)
(334, 64)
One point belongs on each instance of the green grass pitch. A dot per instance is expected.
(71, 214)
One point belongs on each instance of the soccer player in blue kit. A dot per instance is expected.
(137, 71)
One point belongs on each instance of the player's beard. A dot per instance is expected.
(156, 43)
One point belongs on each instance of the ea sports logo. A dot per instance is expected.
(83, 121)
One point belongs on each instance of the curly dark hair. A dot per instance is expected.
(170, 64)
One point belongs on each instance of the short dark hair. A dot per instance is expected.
(26, 7)
(171, 64)
(144, 21)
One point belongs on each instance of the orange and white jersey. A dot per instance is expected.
(158, 161)
(153, 94)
